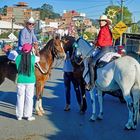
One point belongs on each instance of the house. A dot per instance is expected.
(7, 26)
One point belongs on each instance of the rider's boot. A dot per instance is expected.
(90, 85)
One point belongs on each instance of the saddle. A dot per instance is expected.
(106, 59)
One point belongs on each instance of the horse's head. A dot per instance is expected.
(82, 50)
(77, 54)
(68, 42)
(70, 46)
(57, 48)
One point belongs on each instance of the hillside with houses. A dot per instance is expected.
(13, 18)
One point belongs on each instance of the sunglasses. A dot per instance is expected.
(102, 20)
(31, 24)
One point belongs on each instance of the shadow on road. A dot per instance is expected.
(57, 124)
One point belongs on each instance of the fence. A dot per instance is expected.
(132, 45)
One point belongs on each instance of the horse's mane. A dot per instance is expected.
(50, 43)
(48, 47)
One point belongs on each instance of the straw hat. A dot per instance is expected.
(30, 20)
(105, 18)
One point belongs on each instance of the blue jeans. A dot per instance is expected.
(92, 61)
(68, 79)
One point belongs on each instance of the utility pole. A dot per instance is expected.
(12, 24)
(122, 2)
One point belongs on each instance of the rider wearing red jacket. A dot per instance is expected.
(104, 37)
(103, 45)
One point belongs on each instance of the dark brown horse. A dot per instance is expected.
(78, 71)
(7, 69)
(53, 49)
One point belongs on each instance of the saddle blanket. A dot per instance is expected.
(108, 56)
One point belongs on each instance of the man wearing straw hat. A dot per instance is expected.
(27, 35)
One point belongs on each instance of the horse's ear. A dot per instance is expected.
(56, 36)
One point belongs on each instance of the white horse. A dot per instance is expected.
(124, 74)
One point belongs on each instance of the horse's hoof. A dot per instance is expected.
(82, 112)
(126, 128)
(100, 116)
(92, 118)
(130, 128)
(42, 111)
(39, 113)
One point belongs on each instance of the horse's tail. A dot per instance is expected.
(138, 75)
(136, 94)
(136, 87)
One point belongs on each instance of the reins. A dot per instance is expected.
(37, 65)
(84, 57)
(87, 55)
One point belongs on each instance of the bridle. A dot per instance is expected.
(55, 51)
(82, 58)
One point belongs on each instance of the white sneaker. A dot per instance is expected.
(31, 118)
(19, 118)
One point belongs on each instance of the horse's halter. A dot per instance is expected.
(78, 55)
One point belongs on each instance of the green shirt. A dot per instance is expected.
(25, 78)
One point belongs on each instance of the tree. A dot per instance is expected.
(3, 10)
(46, 10)
(134, 28)
(127, 15)
(47, 7)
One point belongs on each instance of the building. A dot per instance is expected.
(19, 13)
(7, 26)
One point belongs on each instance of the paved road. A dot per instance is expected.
(59, 125)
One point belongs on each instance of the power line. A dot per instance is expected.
(92, 6)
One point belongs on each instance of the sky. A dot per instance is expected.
(92, 8)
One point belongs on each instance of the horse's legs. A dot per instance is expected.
(92, 96)
(130, 105)
(77, 91)
(83, 95)
(40, 102)
(136, 96)
(100, 100)
(38, 98)
(126, 90)
(136, 114)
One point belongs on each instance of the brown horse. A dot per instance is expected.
(53, 49)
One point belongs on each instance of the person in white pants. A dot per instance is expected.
(25, 94)
(25, 63)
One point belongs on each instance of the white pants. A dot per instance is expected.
(24, 106)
